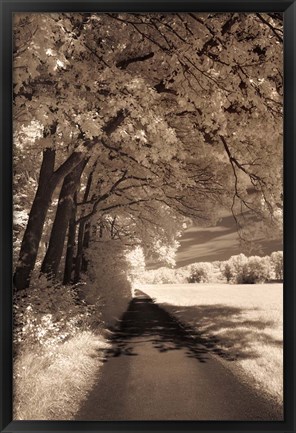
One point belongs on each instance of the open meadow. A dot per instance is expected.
(242, 324)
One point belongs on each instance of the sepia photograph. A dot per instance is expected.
(148, 216)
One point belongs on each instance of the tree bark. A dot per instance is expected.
(86, 240)
(81, 230)
(52, 259)
(32, 235)
(78, 260)
(69, 261)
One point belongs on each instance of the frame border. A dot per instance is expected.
(7, 8)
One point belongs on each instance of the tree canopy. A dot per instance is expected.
(136, 122)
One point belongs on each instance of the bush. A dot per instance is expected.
(227, 272)
(277, 264)
(107, 281)
(200, 273)
(249, 270)
(164, 276)
(48, 314)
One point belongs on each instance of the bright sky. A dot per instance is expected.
(216, 243)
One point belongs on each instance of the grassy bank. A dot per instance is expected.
(244, 322)
(50, 383)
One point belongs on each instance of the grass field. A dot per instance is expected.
(244, 323)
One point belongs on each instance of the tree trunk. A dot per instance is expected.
(112, 228)
(86, 240)
(33, 232)
(69, 262)
(51, 262)
(48, 181)
(81, 230)
(78, 260)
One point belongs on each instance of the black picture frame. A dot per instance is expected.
(288, 7)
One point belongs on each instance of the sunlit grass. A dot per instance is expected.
(244, 321)
(50, 383)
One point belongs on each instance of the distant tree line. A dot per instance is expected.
(239, 269)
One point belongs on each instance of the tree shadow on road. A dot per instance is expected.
(146, 321)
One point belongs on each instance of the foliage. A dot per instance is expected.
(277, 264)
(257, 270)
(49, 314)
(237, 264)
(227, 272)
(249, 270)
(106, 279)
(164, 275)
(167, 113)
(199, 273)
(238, 269)
(169, 108)
(136, 263)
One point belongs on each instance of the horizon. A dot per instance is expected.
(216, 243)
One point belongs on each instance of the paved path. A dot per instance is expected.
(156, 371)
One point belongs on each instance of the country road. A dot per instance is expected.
(156, 371)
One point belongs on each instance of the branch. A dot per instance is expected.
(234, 163)
(126, 155)
(119, 205)
(102, 198)
(270, 26)
(160, 88)
(116, 121)
(74, 159)
(134, 24)
(100, 58)
(123, 64)
(253, 177)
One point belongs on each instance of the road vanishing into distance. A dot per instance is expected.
(157, 370)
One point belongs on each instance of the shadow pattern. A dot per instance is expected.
(226, 326)
(148, 322)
